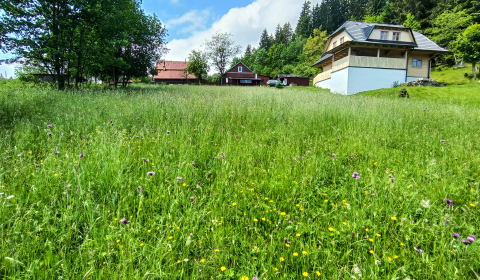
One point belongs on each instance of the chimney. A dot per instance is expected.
(164, 67)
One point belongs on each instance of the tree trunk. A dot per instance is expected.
(474, 69)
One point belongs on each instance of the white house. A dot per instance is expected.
(362, 56)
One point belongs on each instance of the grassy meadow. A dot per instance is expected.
(189, 182)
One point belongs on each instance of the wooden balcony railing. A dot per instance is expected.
(322, 76)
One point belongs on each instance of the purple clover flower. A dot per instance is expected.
(140, 189)
(442, 141)
(192, 198)
(456, 235)
(180, 179)
(151, 173)
(49, 126)
(168, 132)
(124, 221)
(356, 175)
(193, 163)
(81, 155)
(223, 155)
(446, 223)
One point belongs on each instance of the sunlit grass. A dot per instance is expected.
(254, 182)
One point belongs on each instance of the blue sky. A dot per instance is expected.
(191, 22)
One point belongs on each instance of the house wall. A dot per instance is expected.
(265, 79)
(241, 75)
(337, 38)
(327, 67)
(363, 79)
(404, 36)
(300, 82)
(418, 71)
(325, 84)
(339, 81)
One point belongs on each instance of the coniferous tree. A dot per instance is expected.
(266, 41)
(316, 20)
(278, 35)
(305, 21)
(287, 33)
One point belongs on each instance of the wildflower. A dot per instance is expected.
(395, 257)
(244, 278)
(305, 274)
(180, 179)
(295, 254)
(330, 229)
(170, 237)
(418, 250)
(371, 251)
(234, 204)
(403, 219)
(442, 141)
(282, 213)
(223, 155)
(456, 235)
(357, 270)
(304, 252)
(298, 234)
(370, 239)
(151, 173)
(140, 189)
(255, 220)
(318, 273)
(49, 126)
(216, 250)
(168, 132)
(81, 155)
(141, 244)
(124, 221)
(290, 222)
(192, 198)
(223, 268)
(378, 235)
(471, 204)
(193, 163)
(202, 260)
(394, 218)
(446, 223)
(425, 204)
(356, 175)
(282, 259)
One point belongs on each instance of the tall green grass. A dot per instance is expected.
(253, 182)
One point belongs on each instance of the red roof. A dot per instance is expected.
(173, 70)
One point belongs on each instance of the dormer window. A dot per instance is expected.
(240, 68)
(396, 36)
(342, 40)
(383, 35)
(335, 44)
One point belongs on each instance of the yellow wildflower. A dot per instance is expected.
(223, 268)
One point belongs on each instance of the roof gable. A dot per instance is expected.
(240, 64)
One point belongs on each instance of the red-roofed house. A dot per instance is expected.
(171, 72)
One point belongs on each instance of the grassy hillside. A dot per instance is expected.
(461, 89)
(185, 182)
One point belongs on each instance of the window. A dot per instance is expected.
(384, 35)
(240, 68)
(245, 81)
(342, 40)
(334, 44)
(417, 62)
(396, 36)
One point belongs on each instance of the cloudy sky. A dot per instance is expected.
(191, 22)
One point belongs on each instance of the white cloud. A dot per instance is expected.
(245, 24)
(196, 21)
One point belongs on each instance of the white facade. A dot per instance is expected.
(352, 80)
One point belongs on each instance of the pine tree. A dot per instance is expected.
(278, 35)
(248, 50)
(264, 40)
(356, 10)
(316, 20)
(376, 7)
(287, 33)
(305, 21)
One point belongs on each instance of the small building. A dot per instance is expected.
(241, 75)
(172, 72)
(362, 56)
(294, 80)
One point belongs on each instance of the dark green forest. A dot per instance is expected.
(288, 51)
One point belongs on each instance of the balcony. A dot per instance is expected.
(362, 61)
(322, 76)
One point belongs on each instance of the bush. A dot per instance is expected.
(403, 93)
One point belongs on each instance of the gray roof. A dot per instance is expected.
(360, 31)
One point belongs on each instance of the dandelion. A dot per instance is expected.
(370, 239)
(371, 251)
(216, 250)
(234, 204)
(471, 204)
(151, 173)
(282, 213)
(305, 274)
(330, 229)
(223, 268)
(170, 237)
(318, 273)
(244, 278)
(282, 259)
(393, 218)
(304, 252)
(202, 260)
(298, 234)
(295, 254)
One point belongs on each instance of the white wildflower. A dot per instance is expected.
(425, 204)
(357, 270)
